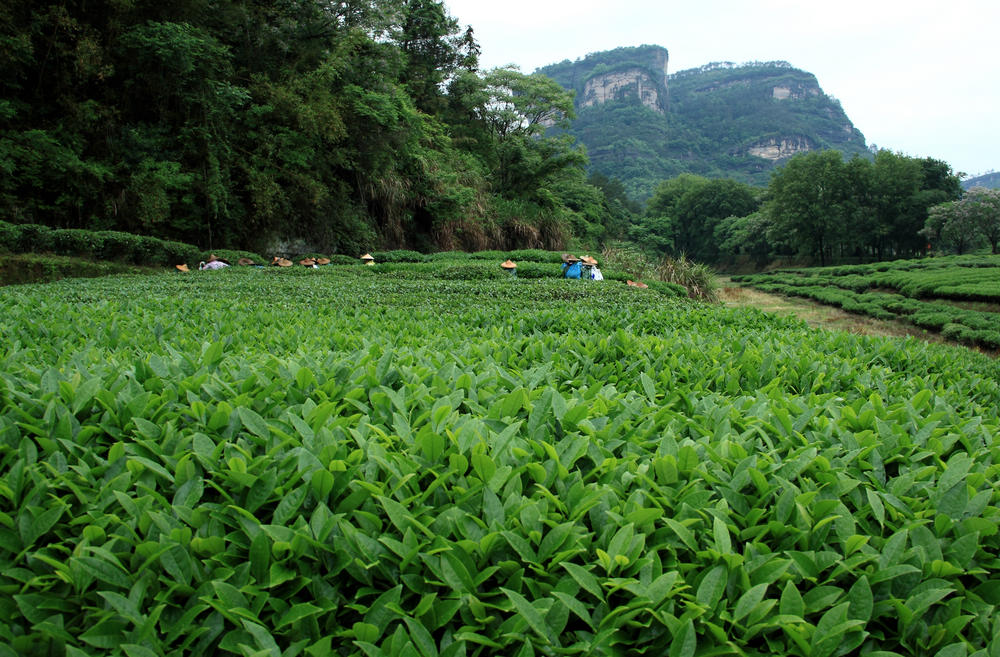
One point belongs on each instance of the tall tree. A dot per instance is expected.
(434, 49)
(810, 200)
(695, 206)
(964, 224)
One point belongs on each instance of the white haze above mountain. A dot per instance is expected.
(918, 77)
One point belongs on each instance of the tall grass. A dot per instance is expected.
(698, 279)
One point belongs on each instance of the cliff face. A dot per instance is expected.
(721, 120)
(776, 149)
(621, 86)
(628, 75)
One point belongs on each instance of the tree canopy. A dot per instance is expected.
(341, 126)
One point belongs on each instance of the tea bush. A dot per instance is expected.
(924, 286)
(344, 461)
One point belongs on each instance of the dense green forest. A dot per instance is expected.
(282, 126)
(304, 126)
(822, 206)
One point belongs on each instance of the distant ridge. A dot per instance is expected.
(990, 180)
(722, 120)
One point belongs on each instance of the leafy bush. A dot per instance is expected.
(167, 253)
(118, 246)
(40, 268)
(10, 237)
(971, 277)
(449, 256)
(101, 245)
(76, 242)
(490, 255)
(470, 272)
(668, 289)
(400, 255)
(535, 255)
(341, 462)
(628, 259)
(34, 238)
(538, 270)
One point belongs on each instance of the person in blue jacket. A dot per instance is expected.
(571, 266)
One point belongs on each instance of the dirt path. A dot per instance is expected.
(816, 314)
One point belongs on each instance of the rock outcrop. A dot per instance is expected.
(779, 148)
(721, 120)
(631, 75)
(621, 85)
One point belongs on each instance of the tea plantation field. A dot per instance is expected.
(958, 296)
(355, 461)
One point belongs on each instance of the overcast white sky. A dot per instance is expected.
(914, 76)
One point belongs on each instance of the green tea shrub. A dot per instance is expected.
(346, 462)
(538, 270)
(34, 238)
(76, 242)
(932, 319)
(953, 331)
(449, 256)
(470, 272)
(399, 255)
(44, 268)
(117, 246)
(535, 255)
(500, 256)
(668, 289)
(167, 253)
(10, 237)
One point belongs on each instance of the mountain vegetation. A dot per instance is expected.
(290, 126)
(719, 121)
(311, 127)
(990, 180)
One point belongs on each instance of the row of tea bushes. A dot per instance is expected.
(975, 278)
(341, 463)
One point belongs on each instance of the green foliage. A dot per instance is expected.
(400, 255)
(705, 121)
(826, 206)
(963, 225)
(345, 462)
(471, 272)
(921, 289)
(695, 279)
(337, 128)
(341, 259)
(33, 268)
(690, 209)
(99, 245)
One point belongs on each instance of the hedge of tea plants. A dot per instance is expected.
(928, 293)
(345, 462)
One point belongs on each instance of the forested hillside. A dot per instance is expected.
(989, 180)
(718, 121)
(306, 125)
